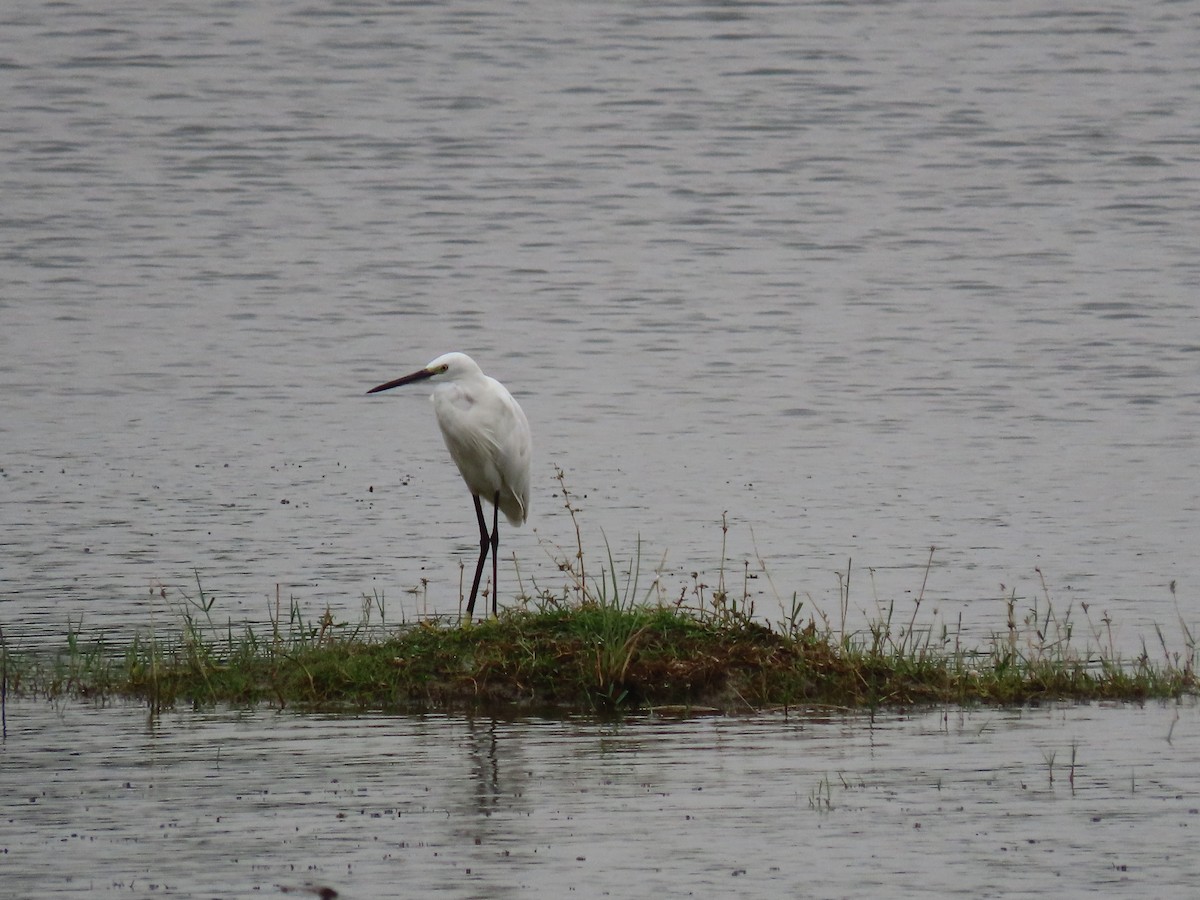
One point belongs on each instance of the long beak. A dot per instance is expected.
(407, 379)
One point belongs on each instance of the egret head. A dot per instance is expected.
(447, 367)
(453, 366)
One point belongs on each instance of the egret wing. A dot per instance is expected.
(488, 436)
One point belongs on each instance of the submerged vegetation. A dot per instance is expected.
(600, 644)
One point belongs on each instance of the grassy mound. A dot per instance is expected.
(587, 658)
(599, 646)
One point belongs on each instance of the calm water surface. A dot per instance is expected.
(97, 802)
(871, 278)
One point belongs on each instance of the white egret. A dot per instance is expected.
(488, 437)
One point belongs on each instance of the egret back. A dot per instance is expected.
(489, 440)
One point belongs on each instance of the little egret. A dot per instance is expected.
(488, 437)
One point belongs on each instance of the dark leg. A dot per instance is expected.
(485, 542)
(495, 544)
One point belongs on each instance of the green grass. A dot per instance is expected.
(603, 644)
(601, 650)
(587, 657)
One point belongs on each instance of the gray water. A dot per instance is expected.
(1065, 802)
(866, 278)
